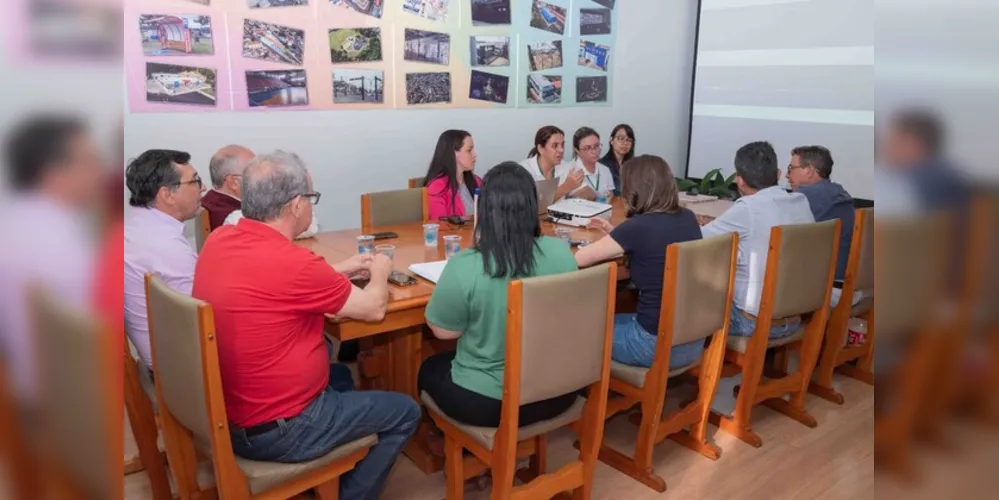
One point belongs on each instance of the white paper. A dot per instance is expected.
(430, 271)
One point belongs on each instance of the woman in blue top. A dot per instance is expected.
(655, 221)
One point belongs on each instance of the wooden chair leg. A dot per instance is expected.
(639, 467)
(144, 430)
(454, 466)
(738, 424)
(330, 490)
(539, 460)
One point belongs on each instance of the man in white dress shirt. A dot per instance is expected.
(762, 206)
(165, 192)
(53, 173)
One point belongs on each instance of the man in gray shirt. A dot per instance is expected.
(808, 173)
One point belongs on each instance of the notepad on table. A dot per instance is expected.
(430, 271)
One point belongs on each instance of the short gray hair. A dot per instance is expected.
(222, 165)
(270, 181)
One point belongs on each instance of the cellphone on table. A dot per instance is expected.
(401, 279)
(385, 236)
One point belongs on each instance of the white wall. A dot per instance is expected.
(353, 152)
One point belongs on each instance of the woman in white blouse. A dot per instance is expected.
(544, 162)
(598, 181)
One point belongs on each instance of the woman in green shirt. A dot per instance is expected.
(469, 302)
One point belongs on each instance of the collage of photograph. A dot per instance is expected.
(281, 40)
(187, 37)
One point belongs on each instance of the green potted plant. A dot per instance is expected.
(713, 184)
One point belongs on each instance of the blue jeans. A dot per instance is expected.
(635, 347)
(333, 419)
(742, 326)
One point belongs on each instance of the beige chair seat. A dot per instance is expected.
(739, 344)
(262, 476)
(635, 375)
(485, 435)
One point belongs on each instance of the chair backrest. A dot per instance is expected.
(910, 270)
(559, 323)
(986, 224)
(864, 281)
(389, 208)
(202, 228)
(416, 182)
(804, 255)
(176, 325)
(77, 403)
(697, 287)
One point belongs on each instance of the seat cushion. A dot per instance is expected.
(262, 476)
(635, 375)
(739, 344)
(485, 435)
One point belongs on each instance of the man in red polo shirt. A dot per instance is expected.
(270, 299)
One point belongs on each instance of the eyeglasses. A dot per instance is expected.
(590, 149)
(626, 140)
(314, 196)
(792, 167)
(196, 181)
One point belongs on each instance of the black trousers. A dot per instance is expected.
(472, 408)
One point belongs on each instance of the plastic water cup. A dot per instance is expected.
(452, 245)
(601, 198)
(386, 250)
(564, 234)
(430, 232)
(365, 244)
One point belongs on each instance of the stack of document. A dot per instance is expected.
(696, 198)
(430, 271)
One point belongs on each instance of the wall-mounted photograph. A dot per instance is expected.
(273, 42)
(173, 83)
(350, 45)
(277, 88)
(176, 35)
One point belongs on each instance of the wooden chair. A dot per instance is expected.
(801, 265)
(981, 394)
(910, 271)
(140, 405)
(390, 208)
(836, 356)
(79, 414)
(558, 341)
(698, 284)
(17, 450)
(202, 228)
(189, 391)
(416, 182)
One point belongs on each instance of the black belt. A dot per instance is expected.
(257, 430)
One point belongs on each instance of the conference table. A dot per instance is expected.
(392, 350)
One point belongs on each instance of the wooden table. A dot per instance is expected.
(392, 350)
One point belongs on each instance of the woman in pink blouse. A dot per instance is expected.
(450, 182)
